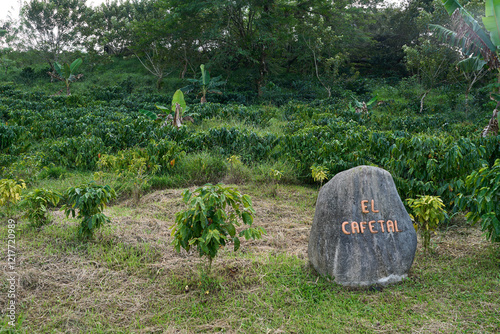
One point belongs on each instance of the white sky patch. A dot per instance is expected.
(11, 7)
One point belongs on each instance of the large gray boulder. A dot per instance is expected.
(362, 234)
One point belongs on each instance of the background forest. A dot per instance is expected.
(264, 50)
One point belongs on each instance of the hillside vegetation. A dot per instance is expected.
(112, 117)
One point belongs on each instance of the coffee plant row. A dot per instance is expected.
(427, 154)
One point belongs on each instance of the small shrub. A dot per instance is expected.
(10, 192)
(319, 174)
(276, 176)
(428, 213)
(89, 199)
(36, 204)
(211, 219)
(482, 198)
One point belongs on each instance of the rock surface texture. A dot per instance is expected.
(362, 234)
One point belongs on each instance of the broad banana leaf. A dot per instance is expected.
(452, 6)
(492, 20)
(471, 64)
(161, 107)
(178, 98)
(372, 100)
(58, 69)
(205, 76)
(75, 65)
(66, 71)
(149, 114)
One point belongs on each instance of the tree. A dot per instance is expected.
(110, 27)
(236, 34)
(53, 26)
(151, 41)
(474, 41)
(430, 63)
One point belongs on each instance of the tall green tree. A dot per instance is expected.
(151, 41)
(110, 26)
(53, 26)
(236, 34)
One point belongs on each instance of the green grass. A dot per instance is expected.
(129, 279)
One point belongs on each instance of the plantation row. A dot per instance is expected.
(428, 154)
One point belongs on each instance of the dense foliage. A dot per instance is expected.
(482, 197)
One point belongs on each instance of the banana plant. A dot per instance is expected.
(476, 43)
(178, 109)
(205, 84)
(66, 72)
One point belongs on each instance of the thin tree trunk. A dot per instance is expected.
(184, 70)
(316, 71)
(492, 127)
(422, 101)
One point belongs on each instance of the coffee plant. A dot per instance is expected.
(10, 192)
(90, 200)
(319, 174)
(210, 221)
(481, 196)
(36, 205)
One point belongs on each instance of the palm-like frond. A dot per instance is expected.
(492, 20)
(450, 37)
(475, 38)
(462, 17)
(471, 64)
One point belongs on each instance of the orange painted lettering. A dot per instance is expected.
(370, 225)
(396, 226)
(363, 226)
(390, 226)
(381, 225)
(354, 227)
(343, 228)
(373, 206)
(364, 206)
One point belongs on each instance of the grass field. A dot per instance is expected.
(130, 280)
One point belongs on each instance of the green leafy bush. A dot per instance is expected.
(428, 213)
(482, 197)
(90, 200)
(81, 152)
(10, 192)
(36, 204)
(319, 174)
(211, 219)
